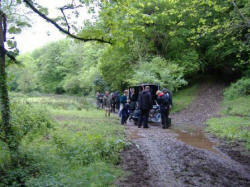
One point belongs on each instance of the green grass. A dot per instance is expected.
(55, 101)
(184, 97)
(235, 121)
(81, 150)
(232, 128)
(238, 107)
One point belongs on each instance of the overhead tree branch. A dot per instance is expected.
(11, 57)
(30, 5)
(9, 54)
(67, 7)
(65, 19)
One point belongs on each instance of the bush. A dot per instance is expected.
(239, 88)
(27, 122)
(159, 71)
(81, 150)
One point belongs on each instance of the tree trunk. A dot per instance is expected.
(4, 98)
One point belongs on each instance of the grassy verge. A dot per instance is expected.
(235, 121)
(82, 149)
(183, 98)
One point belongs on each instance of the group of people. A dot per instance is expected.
(164, 101)
(126, 103)
(114, 102)
(108, 101)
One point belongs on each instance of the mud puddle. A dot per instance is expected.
(196, 139)
(134, 135)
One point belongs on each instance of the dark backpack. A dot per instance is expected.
(165, 99)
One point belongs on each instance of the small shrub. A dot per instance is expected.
(239, 88)
(27, 123)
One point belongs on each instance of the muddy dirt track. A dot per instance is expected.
(180, 156)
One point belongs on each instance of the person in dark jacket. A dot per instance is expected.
(124, 98)
(117, 101)
(132, 102)
(163, 102)
(169, 94)
(124, 114)
(145, 104)
(113, 102)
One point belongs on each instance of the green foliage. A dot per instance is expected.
(165, 42)
(59, 67)
(238, 89)
(15, 24)
(57, 102)
(27, 123)
(26, 120)
(23, 77)
(159, 71)
(81, 150)
(231, 127)
(237, 107)
(196, 35)
(183, 98)
(235, 122)
(116, 67)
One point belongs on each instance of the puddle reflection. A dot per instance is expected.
(195, 139)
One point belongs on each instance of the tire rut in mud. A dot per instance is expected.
(165, 161)
(135, 164)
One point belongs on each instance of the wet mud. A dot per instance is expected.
(174, 162)
(196, 138)
(179, 156)
(205, 106)
(135, 165)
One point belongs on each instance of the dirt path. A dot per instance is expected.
(205, 106)
(160, 157)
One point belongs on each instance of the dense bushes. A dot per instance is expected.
(27, 123)
(75, 150)
(198, 36)
(161, 72)
(239, 88)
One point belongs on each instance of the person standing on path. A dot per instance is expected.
(167, 92)
(132, 102)
(107, 103)
(163, 101)
(124, 114)
(113, 102)
(117, 101)
(124, 98)
(145, 104)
